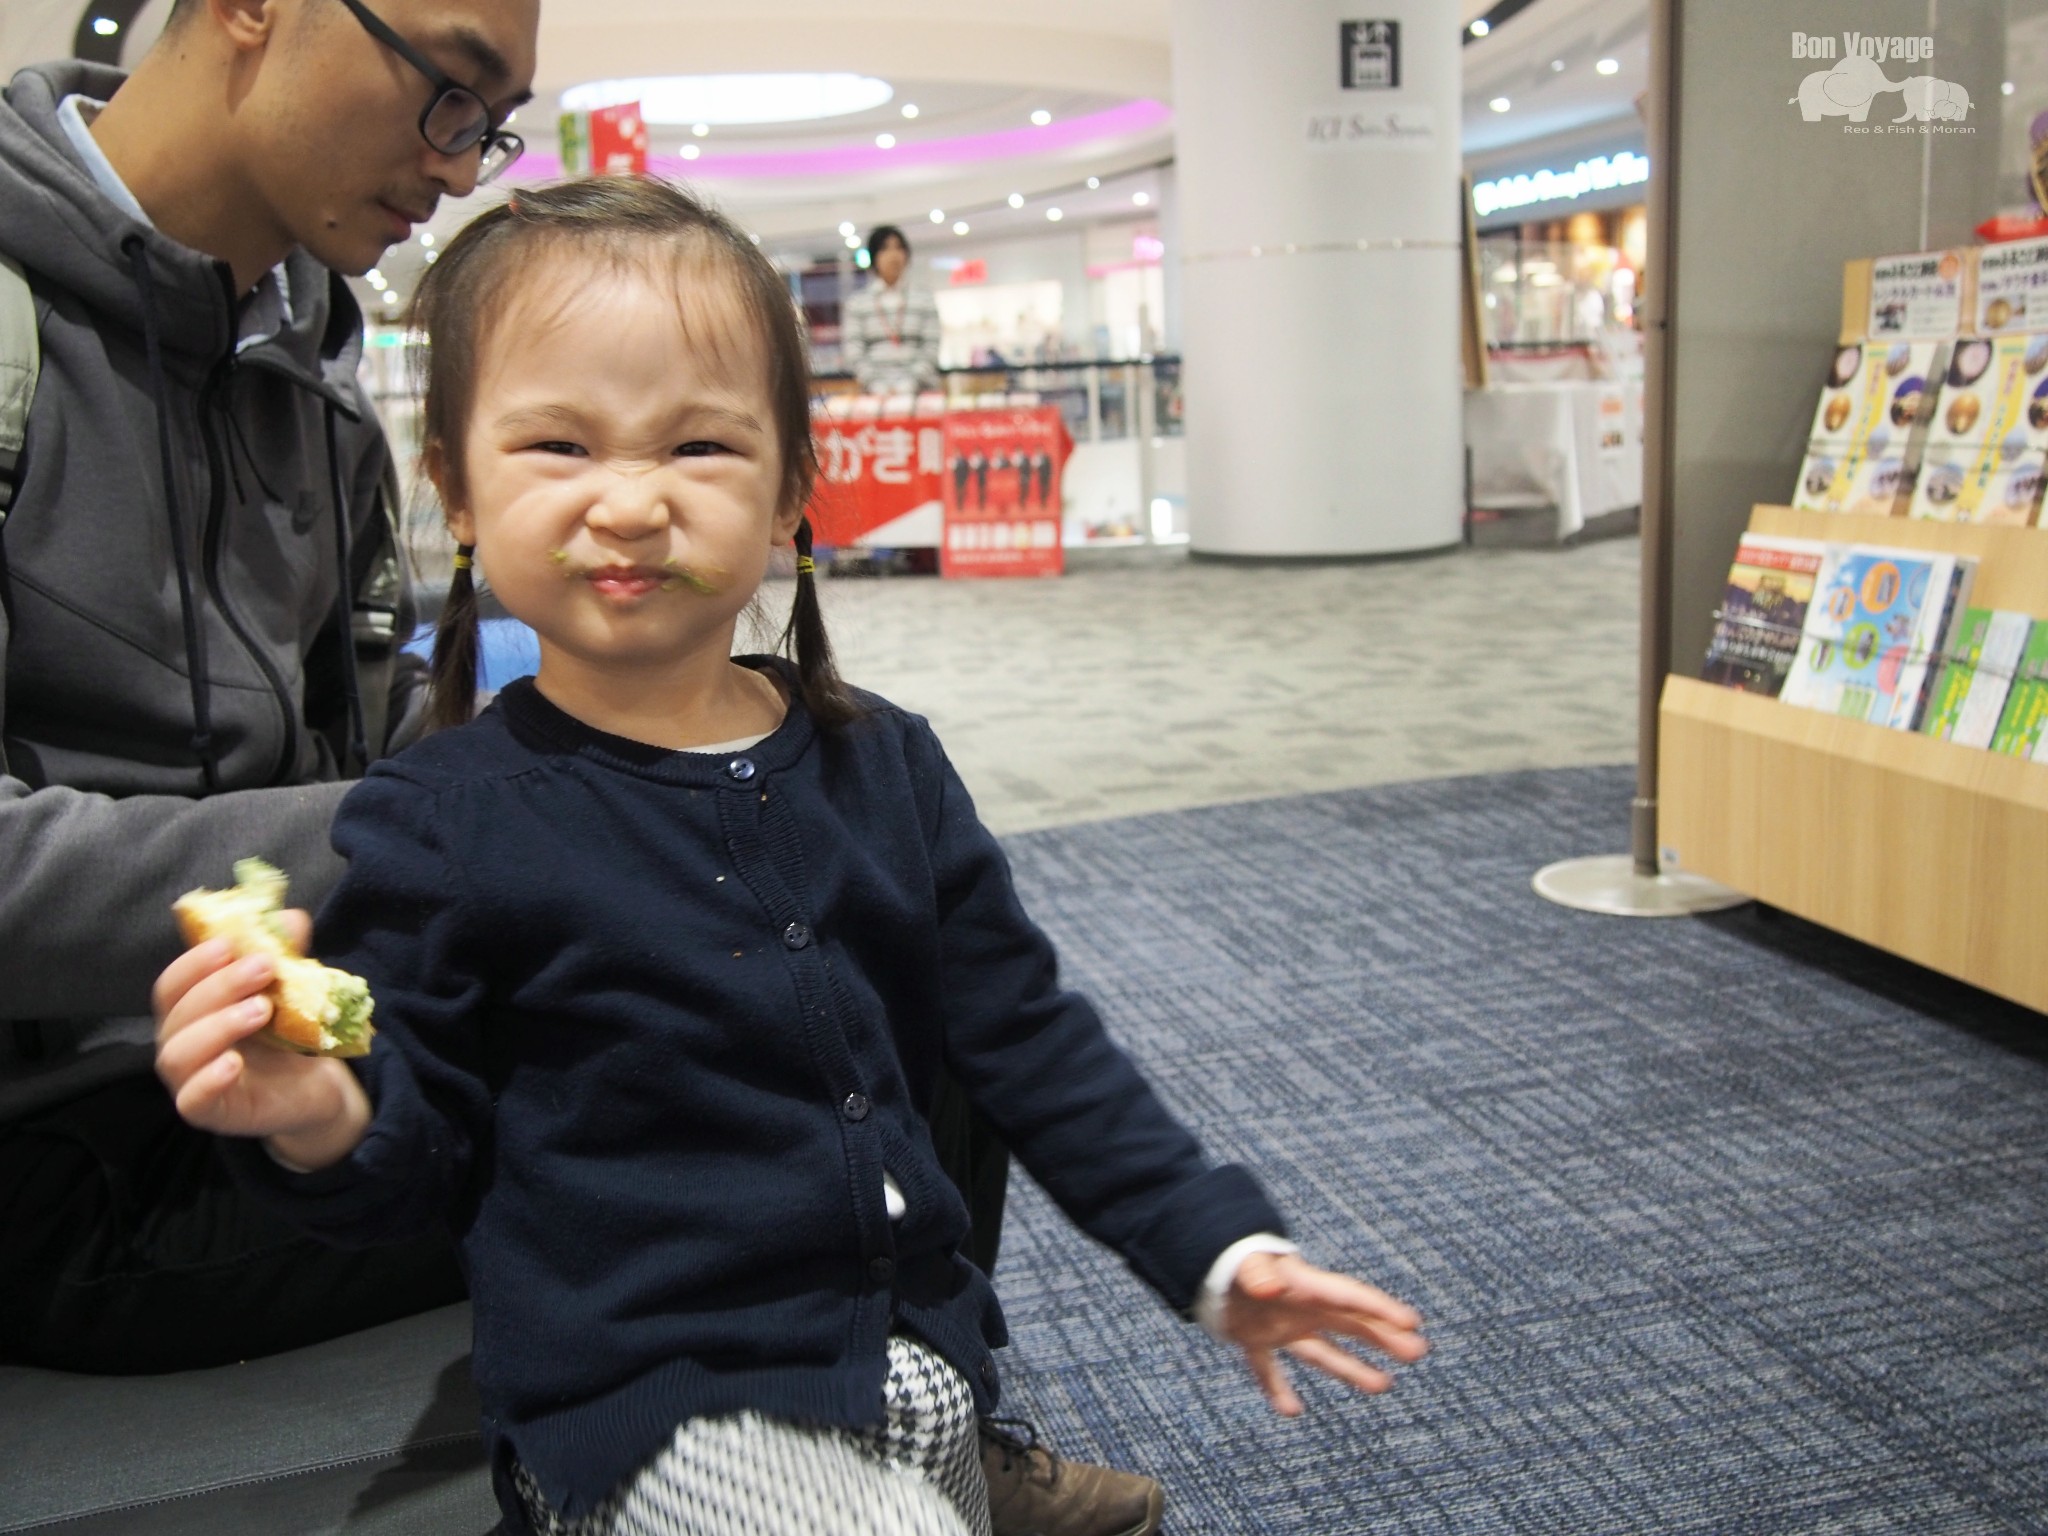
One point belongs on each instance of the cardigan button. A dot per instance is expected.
(855, 1107)
(882, 1270)
(740, 769)
(797, 936)
(988, 1373)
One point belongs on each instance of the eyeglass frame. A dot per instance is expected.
(445, 85)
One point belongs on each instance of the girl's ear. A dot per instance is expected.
(783, 530)
(435, 464)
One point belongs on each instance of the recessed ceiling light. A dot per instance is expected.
(885, 141)
(1557, 66)
(1500, 103)
(853, 242)
(846, 228)
(1016, 199)
(701, 130)
(1094, 182)
(1480, 28)
(390, 296)
(938, 215)
(1054, 214)
(105, 26)
(427, 238)
(1040, 118)
(910, 109)
(2007, 88)
(960, 227)
(716, 99)
(1609, 66)
(1142, 199)
(691, 151)
(432, 257)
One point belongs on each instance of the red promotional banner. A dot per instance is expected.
(1002, 492)
(873, 474)
(608, 141)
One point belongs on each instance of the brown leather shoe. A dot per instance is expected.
(1032, 1492)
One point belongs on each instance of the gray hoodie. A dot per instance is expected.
(174, 690)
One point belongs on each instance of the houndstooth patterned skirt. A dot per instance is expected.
(917, 1474)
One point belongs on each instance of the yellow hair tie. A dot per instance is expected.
(806, 566)
(463, 562)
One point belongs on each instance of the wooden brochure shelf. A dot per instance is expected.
(1935, 852)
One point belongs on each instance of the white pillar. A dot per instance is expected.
(1319, 236)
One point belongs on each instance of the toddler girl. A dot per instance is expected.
(667, 946)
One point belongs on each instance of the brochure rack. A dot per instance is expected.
(1933, 851)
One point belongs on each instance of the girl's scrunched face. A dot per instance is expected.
(621, 473)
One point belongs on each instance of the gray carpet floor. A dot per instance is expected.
(1720, 1225)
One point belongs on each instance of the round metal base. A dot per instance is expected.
(1611, 885)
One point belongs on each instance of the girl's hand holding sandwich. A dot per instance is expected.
(310, 1109)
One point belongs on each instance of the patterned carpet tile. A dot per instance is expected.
(1723, 1225)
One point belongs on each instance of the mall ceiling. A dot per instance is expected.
(1098, 71)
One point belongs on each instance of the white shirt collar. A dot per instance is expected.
(264, 311)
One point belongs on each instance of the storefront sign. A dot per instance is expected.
(1917, 295)
(1003, 493)
(968, 272)
(606, 142)
(1386, 128)
(870, 473)
(2012, 287)
(1600, 174)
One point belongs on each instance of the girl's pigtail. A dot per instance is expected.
(825, 695)
(451, 698)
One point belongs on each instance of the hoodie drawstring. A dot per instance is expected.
(358, 738)
(195, 639)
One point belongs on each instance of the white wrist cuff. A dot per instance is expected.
(1223, 1273)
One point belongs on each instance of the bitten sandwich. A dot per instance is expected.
(315, 1009)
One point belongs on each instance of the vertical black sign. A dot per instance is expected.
(1371, 55)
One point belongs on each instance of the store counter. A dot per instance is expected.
(1572, 445)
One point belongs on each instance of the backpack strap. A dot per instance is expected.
(20, 361)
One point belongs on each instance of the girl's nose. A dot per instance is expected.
(634, 503)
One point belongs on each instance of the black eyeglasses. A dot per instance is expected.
(456, 119)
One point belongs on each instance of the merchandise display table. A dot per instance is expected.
(1576, 445)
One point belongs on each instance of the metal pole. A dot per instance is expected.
(1636, 884)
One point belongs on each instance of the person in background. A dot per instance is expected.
(201, 600)
(889, 330)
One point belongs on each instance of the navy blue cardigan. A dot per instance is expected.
(653, 1024)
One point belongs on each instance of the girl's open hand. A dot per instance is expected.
(208, 1005)
(1279, 1302)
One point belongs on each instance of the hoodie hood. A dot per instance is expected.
(57, 223)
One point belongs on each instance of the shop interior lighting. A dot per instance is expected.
(910, 109)
(105, 26)
(1040, 118)
(720, 100)
(1500, 103)
(1142, 199)
(1609, 66)
(1599, 174)
(960, 227)
(1055, 214)
(1479, 28)
(1016, 199)
(885, 141)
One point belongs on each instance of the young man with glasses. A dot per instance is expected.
(200, 602)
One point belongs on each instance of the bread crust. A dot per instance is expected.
(298, 993)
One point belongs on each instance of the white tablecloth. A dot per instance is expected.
(1575, 446)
